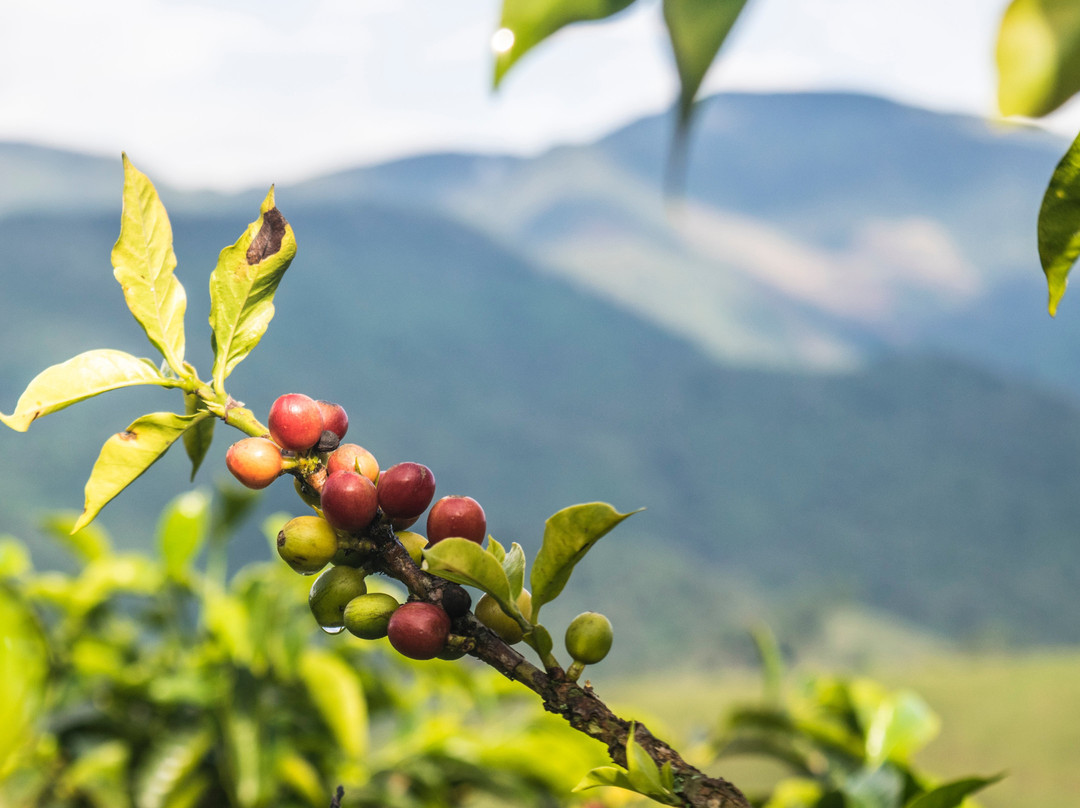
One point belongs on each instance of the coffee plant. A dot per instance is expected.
(356, 534)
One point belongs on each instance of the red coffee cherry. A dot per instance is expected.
(349, 501)
(456, 516)
(295, 422)
(334, 418)
(350, 457)
(419, 630)
(405, 490)
(255, 462)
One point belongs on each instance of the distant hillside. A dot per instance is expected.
(920, 486)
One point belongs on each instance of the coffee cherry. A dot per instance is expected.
(332, 591)
(456, 516)
(334, 418)
(353, 457)
(367, 616)
(419, 630)
(414, 543)
(295, 422)
(349, 501)
(405, 490)
(589, 637)
(490, 613)
(307, 543)
(455, 600)
(328, 442)
(306, 492)
(255, 462)
(400, 524)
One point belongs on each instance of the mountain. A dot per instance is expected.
(452, 303)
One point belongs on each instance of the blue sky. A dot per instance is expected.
(232, 93)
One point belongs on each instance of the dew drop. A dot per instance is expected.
(334, 630)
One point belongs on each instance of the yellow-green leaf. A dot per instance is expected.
(530, 22)
(613, 776)
(513, 564)
(1038, 56)
(1059, 225)
(23, 670)
(126, 455)
(697, 29)
(80, 378)
(338, 694)
(182, 530)
(242, 287)
(143, 262)
(197, 440)
(89, 543)
(166, 768)
(951, 795)
(466, 562)
(568, 536)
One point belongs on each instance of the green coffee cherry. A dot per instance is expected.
(367, 616)
(490, 613)
(414, 543)
(589, 637)
(307, 543)
(332, 591)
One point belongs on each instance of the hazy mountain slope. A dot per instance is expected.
(920, 486)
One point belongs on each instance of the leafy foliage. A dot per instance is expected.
(845, 742)
(170, 687)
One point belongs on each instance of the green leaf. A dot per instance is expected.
(245, 747)
(466, 562)
(89, 543)
(242, 287)
(614, 776)
(14, 558)
(697, 29)
(143, 262)
(80, 378)
(1038, 56)
(514, 567)
(1059, 224)
(952, 794)
(496, 549)
(182, 531)
(533, 21)
(198, 439)
(641, 775)
(539, 639)
(568, 536)
(338, 694)
(167, 767)
(23, 670)
(126, 455)
(299, 775)
(895, 725)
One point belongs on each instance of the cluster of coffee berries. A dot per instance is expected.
(306, 440)
(306, 435)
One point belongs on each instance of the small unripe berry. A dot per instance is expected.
(414, 543)
(456, 516)
(307, 543)
(353, 457)
(490, 613)
(334, 418)
(255, 462)
(306, 492)
(295, 422)
(405, 490)
(419, 630)
(589, 637)
(332, 591)
(349, 501)
(367, 616)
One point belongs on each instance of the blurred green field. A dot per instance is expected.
(1017, 714)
